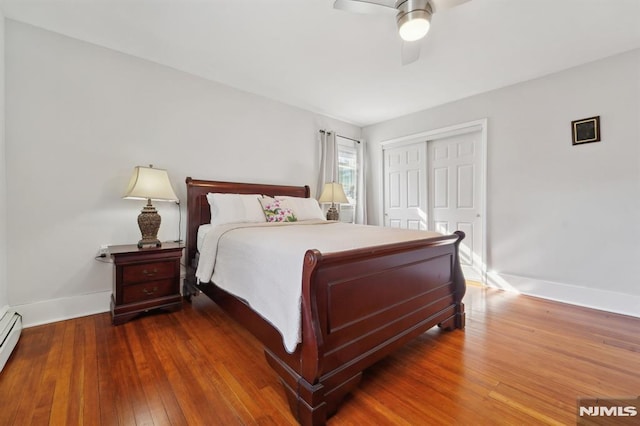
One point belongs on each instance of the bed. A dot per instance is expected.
(357, 306)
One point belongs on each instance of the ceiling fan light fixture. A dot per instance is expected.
(414, 19)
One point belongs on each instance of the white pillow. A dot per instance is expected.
(304, 208)
(235, 208)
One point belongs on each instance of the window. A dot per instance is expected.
(348, 176)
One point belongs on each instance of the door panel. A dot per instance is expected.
(413, 188)
(455, 172)
(394, 190)
(441, 188)
(405, 191)
(466, 189)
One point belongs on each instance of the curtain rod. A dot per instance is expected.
(343, 137)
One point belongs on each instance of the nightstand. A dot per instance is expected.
(145, 279)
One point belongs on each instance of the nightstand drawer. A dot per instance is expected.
(147, 290)
(149, 271)
(145, 279)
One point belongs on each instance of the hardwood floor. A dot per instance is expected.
(520, 360)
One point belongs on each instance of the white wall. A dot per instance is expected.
(80, 117)
(4, 301)
(563, 220)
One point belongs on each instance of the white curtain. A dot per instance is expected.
(329, 170)
(328, 159)
(361, 202)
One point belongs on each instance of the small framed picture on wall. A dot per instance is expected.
(586, 130)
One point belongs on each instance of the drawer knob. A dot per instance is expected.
(149, 292)
(150, 274)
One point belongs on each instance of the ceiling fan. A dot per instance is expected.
(412, 16)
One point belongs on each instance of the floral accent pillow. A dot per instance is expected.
(276, 210)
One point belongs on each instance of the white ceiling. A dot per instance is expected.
(347, 66)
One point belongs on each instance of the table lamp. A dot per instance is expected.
(149, 184)
(333, 193)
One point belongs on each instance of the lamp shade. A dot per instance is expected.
(333, 193)
(148, 183)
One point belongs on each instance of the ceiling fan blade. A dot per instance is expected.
(439, 5)
(372, 7)
(410, 51)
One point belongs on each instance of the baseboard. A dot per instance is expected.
(610, 301)
(3, 310)
(65, 308)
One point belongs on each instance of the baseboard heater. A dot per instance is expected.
(10, 329)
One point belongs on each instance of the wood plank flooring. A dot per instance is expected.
(520, 360)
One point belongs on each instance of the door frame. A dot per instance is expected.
(441, 133)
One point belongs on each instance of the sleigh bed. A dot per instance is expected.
(357, 306)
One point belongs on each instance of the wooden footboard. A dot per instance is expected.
(359, 306)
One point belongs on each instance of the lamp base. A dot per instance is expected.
(332, 213)
(149, 223)
(149, 243)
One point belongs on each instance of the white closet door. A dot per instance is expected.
(454, 195)
(405, 186)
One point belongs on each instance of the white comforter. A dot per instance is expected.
(262, 262)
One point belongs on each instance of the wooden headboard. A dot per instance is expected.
(199, 212)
